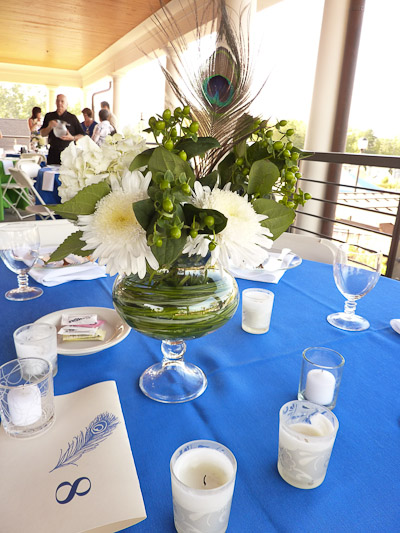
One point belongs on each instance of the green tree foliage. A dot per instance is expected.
(17, 100)
(376, 145)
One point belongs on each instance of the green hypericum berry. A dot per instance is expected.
(175, 232)
(269, 133)
(239, 161)
(289, 145)
(307, 196)
(169, 145)
(182, 154)
(278, 145)
(158, 242)
(209, 221)
(173, 133)
(287, 153)
(289, 176)
(165, 184)
(282, 122)
(160, 125)
(167, 205)
(152, 121)
(290, 132)
(212, 246)
(177, 112)
(295, 156)
(185, 188)
(186, 110)
(194, 127)
(298, 175)
(167, 114)
(194, 233)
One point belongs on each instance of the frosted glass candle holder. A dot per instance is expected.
(307, 433)
(37, 340)
(203, 476)
(256, 310)
(320, 376)
(26, 400)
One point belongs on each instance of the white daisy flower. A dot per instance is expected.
(113, 232)
(243, 241)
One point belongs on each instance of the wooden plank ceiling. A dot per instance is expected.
(66, 34)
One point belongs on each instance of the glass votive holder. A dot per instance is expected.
(26, 400)
(203, 476)
(256, 310)
(320, 376)
(307, 432)
(37, 340)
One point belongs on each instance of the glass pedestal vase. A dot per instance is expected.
(185, 303)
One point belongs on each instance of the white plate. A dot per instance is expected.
(116, 330)
(290, 261)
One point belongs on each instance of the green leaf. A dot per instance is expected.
(144, 212)
(192, 211)
(302, 153)
(83, 203)
(170, 250)
(210, 180)
(71, 245)
(162, 160)
(141, 160)
(225, 169)
(279, 216)
(200, 147)
(262, 177)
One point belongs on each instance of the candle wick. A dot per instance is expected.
(204, 480)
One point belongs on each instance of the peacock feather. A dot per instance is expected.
(213, 73)
(95, 433)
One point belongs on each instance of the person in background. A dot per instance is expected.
(51, 121)
(111, 117)
(35, 120)
(103, 129)
(88, 123)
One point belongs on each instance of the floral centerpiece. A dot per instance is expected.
(168, 228)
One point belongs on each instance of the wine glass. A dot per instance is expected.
(19, 249)
(356, 272)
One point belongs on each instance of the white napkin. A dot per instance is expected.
(7, 164)
(48, 180)
(55, 276)
(259, 274)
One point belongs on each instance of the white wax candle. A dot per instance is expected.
(320, 386)
(257, 309)
(25, 405)
(201, 470)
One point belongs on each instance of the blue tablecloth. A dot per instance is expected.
(49, 197)
(249, 378)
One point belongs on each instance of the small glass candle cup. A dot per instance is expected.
(37, 340)
(26, 400)
(320, 376)
(256, 310)
(203, 476)
(307, 432)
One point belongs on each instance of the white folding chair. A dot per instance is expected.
(25, 190)
(29, 166)
(307, 247)
(36, 158)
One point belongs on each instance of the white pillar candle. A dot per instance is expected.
(202, 487)
(256, 310)
(36, 341)
(25, 405)
(320, 386)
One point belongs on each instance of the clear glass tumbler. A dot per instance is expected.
(256, 310)
(37, 340)
(321, 375)
(26, 399)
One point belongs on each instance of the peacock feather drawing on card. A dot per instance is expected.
(211, 73)
(95, 433)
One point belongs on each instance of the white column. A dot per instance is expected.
(116, 109)
(53, 91)
(324, 105)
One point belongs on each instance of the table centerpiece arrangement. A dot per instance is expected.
(214, 190)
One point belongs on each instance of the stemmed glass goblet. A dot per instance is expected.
(356, 272)
(19, 249)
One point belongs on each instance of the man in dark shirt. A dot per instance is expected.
(58, 144)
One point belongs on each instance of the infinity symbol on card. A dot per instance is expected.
(74, 489)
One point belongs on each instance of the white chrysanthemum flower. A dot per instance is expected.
(243, 241)
(113, 232)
